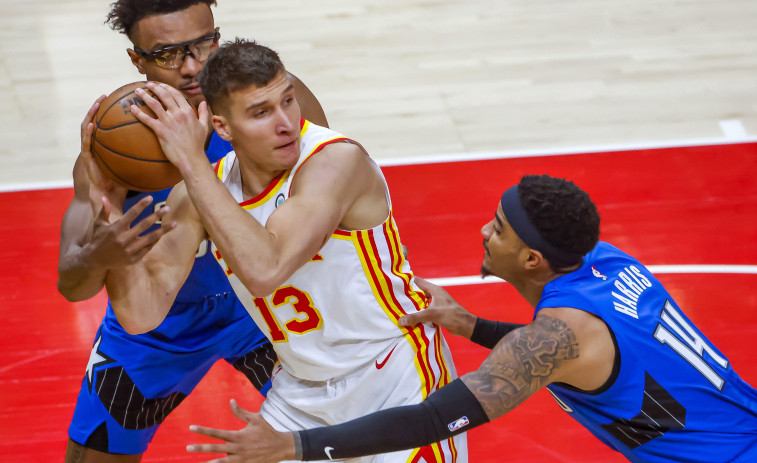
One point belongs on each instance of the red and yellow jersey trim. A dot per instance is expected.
(305, 125)
(269, 192)
(380, 276)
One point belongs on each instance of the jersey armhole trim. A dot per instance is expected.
(613, 374)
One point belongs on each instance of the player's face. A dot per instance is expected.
(263, 124)
(504, 251)
(163, 30)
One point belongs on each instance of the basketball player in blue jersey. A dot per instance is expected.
(133, 381)
(607, 340)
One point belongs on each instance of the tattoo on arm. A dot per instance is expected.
(522, 363)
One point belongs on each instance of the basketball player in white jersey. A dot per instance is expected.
(301, 222)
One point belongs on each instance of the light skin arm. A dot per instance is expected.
(560, 345)
(336, 188)
(89, 242)
(142, 293)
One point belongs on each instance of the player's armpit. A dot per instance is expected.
(523, 362)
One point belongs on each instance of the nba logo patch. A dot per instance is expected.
(597, 273)
(458, 423)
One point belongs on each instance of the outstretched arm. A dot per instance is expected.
(562, 344)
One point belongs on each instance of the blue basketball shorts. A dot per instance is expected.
(132, 382)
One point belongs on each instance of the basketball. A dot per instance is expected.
(125, 149)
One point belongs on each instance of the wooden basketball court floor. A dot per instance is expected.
(689, 212)
(411, 79)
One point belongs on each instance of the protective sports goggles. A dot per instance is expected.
(172, 56)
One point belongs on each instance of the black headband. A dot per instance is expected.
(518, 219)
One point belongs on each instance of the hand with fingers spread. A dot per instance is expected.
(181, 130)
(257, 442)
(443, 311)
(117, 242)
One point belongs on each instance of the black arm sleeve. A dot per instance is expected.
(487, 333)
(449, 411)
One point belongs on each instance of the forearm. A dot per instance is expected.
(488, 333)
(78, 278)
(247, 247)
(449, 411)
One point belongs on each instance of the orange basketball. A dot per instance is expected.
(127, 150)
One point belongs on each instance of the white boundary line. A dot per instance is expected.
(655, 269)
(11, 187)
(487, 155)
(480, 156)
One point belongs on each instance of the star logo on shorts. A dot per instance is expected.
(96, 359)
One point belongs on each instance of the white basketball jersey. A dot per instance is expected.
(339, 311)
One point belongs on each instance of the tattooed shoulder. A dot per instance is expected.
(521, 364)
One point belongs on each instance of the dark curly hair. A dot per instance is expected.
(125, 13)
(237, 65)
(563, 213)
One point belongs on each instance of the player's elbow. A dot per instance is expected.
(261, 284)
(72, 293)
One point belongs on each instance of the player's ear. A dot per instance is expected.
(221, 126)
(534, 259)
(136, 60)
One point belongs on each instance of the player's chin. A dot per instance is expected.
(485, 271)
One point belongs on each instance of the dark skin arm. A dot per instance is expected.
(523, 362)
(527, 359)
(89, 243)
(309, 104)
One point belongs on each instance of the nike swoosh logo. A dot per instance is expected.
(328, 452)
(381, 365)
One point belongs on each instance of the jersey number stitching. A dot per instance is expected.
(697, 346)
(301, 302)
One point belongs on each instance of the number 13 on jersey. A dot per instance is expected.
(308, 317)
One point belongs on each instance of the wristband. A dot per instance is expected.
(447, 412)
(487, 333)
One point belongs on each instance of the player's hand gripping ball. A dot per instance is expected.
(125, 149)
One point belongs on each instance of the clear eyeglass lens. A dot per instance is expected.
(173, 57)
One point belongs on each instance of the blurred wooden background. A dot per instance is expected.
(414, 78)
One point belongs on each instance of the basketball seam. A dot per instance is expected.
(99, 127)
(124, 155)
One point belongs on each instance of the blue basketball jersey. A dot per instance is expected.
(673, 396)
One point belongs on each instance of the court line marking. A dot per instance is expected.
(733, 129)
(475, 156)
(536, 152)
(655, 269)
